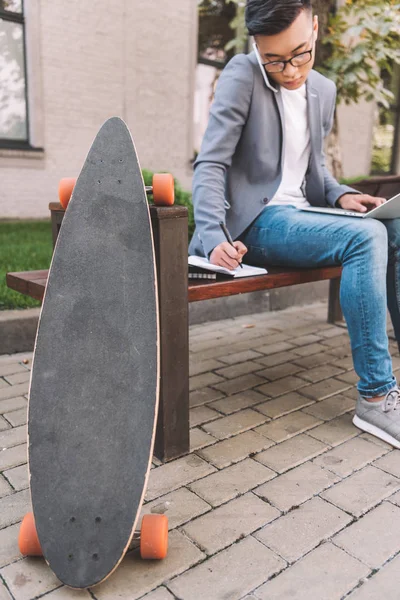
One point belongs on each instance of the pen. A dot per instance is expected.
(228, 237)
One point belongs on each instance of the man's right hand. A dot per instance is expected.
(225, 255)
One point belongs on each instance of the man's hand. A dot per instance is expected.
(225, 255)
(359, 202)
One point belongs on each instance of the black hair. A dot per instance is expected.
(269, 17)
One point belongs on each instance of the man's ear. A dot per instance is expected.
(315, 26)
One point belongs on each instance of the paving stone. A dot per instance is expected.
(296, 486)
(320, 373)
(18, 477)
(331, 332)
(17, 417)
(344, 363)
(12, 457)
(3, 424)
(196, 367)
(9, 551)
(337, 431)
(325, 389)
(13, 391)
(313, 361)
(6, 384)
(234, 424)
(375, 537)
(239, 384)
(305, 340)
(5, 488)
(4, 593)
(384, 584)
(326, 573)
(278, 359)
(375, 440)
(200, 439)
(337, 341)
(291, 453)
(279, 371)
(362, 490)
(231, 359)
(235, 449)
(228, 523)
(11, 368)
(11, 404)
(341, 351)
(274, 348)
(230, 574)
(282, 386)
(22, 377)
(203, 380)
(232, 481)
(238, 369)
(202, 414)
(135, 577)
(180, 507)
(13, 437)
(349, 377)
(390, 463)
(301, 530)
(284, 405)
(159, 594)
(14, 507)
(310, 349)
(29, 578)
(203, 396)
(350, 456)
(176, 474)
(288, 426)
(237, 402)
(330, 408)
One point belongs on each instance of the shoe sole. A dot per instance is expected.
(364, 426)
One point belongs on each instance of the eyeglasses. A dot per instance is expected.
(296, 61)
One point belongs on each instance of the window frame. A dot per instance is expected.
(14, 144)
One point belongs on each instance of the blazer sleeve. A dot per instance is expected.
(228, 115)
(333, 190)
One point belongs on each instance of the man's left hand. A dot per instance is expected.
(359, 202)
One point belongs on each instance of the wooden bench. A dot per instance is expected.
(170, 226)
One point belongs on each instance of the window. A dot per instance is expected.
(387, 128)
(13, 90)
(215, 32)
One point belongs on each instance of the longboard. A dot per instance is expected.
(94, 385)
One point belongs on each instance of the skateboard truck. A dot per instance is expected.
(153, 536)
(162, 190)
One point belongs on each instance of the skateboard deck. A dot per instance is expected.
(94, 386)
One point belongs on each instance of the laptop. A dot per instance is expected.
(389, 210)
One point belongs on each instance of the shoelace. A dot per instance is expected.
(392, 400)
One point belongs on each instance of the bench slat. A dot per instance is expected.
(33, 283)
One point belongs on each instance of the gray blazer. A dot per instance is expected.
(239, 167)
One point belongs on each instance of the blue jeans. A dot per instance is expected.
(368, 251)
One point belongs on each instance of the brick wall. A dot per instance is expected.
(87, 62)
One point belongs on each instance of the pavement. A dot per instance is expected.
(281, 496)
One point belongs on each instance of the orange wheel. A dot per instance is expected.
(163, 189)
(28, 541)
(154, 537)
(65, 188)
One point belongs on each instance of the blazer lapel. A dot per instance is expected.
(314, 120)
(279, 102)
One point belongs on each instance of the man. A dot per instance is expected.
(262, 159)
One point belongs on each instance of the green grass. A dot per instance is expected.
(24, 246)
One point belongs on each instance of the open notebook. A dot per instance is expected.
(247, 271)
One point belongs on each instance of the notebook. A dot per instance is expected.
(389, 210)
(247, 271)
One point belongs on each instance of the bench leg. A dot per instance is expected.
(334, 309)
(170, 227)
